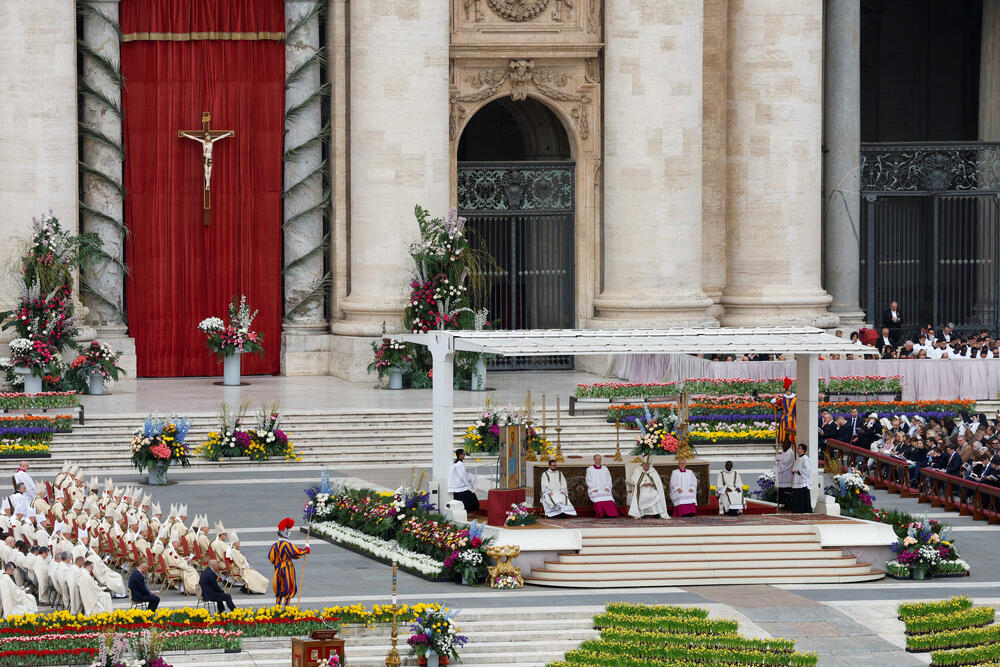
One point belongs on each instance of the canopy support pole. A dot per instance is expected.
(442, 347)
(807, 416)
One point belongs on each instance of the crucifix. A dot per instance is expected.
(206, 137)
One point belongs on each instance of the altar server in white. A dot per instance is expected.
(462, 483)
(555, 493)
(599, 489)
(683, 490)
(729, 488)
(647, 493)
(15, 601)
(801, 483)
(783, 460)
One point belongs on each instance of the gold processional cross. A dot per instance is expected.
(206, 137)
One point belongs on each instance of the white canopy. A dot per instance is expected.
(803, 342)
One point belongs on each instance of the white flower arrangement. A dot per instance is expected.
(211, 325)
(385, 549)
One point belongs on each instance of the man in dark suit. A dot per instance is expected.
(950, 462)
(893, 320)
(210, 589)
(138, 590)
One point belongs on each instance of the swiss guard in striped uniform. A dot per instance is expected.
(785, 407)
(282, 553)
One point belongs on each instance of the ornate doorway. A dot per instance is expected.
(516, 187)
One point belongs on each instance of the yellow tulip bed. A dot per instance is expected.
(60, 637)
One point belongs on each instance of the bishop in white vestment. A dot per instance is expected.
(93, 600)
(599, 489)
(555, 493)
(683, 490)
(729, 488)
(15, 601)
(647, 493)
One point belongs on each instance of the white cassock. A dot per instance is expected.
(555, 494)
(599, 484)
(15, 601)
(57, 581)
(255, 581)
(783, 468)
(73, 584)
(41, 570)
(647, 494)
(680, 483)
(105, 575)
(729, 487)
(460, 479)
(30, 489)
(92, 599)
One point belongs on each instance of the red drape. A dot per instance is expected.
(181, 16)
(180, 270)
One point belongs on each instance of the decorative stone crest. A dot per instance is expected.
(518, 10)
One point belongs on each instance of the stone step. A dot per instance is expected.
(754, 558)
(693, 548)
(687, 580)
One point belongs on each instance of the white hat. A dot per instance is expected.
(233, 537)
(219, 528)
(65, 467)
(155, 509)
(117, 493)
(146, 499)
(196, 521)
(164, 532)
(873, 415)
(173, 511)
(108, 485)
(94, 482)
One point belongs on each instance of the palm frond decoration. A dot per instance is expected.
(321, 206)
(87, 90)
(85, 8)
(318, 250)
(315, 96)
(318, 58)
(316, 141)
(88, 132)
(86, 286)
(318, 290)
(107, 66)
(100, 175)
(101, 215)
(314, 12)
(297, 187)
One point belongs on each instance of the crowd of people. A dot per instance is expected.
(70, 544)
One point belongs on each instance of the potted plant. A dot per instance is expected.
(158, 443)
(435, 639)
(32, 360)
(230, 341)
(95, 365)
(392, 358)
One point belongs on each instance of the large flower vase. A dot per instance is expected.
(32, 383)
(478, 380)
(96, 387)
(231, 370)
(432, 659)
(395, 378)
(158, 472)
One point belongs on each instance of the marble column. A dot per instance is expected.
(398, 154)
(304, 329)
(989, 175)
(842, 161)
(652, 166)
(989, 73)
(773, 135)
(713, 151)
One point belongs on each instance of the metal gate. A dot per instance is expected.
(521, 214)
(930, 233)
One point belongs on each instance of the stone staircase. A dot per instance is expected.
(526, 637)
(700, 555)
(344, 439)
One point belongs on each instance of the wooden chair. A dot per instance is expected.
(165, 573)
(153, 572)
(134, 604)
(233, 578)
(199, 557)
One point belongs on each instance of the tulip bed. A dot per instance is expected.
(44, 400)
(910, 610)
(647, 635)
(953, 630)
(855, 384)
(956, 620)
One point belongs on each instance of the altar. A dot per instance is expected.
(575, 471)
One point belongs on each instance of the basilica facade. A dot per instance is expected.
(627, 163)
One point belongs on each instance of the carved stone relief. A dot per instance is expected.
(518, 10)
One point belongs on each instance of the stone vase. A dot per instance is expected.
(158, 472)
(231, 370)
(395, 378)
(96, 387)
(32, 383)
(478, 380)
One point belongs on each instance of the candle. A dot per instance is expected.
(543, 410)
(558, 415)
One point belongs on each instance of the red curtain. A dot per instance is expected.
(180, 270)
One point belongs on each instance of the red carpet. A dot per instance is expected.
(711, 509)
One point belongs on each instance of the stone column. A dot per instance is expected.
(398, 155)
(304, 330)
(989, 130)
(773, 134)
(102, 288)
(653, 166)
(842, 161)
(989, 73)
(713, 151)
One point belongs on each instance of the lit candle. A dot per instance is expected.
(558, 415)
(543, 410)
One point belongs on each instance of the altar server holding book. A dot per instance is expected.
(683, 490)
(555, 493)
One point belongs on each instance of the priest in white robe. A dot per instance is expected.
(783, 461)
(801, 500)
(22, 477)
(555, 493)
(253, 581)
(647, 493)
(599, 489)
(683, 490)
(729, 488)
(93, 599)
(15, 601)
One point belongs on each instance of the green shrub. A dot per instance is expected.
(655, 610)
(698, 626)
(730, 641)
(948, 639)
(697, 654)
(978, 655)
(911, 609)
(966, 618)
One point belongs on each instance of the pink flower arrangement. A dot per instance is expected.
(160, 451)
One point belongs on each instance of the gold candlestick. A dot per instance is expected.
(618, 440)
(531, 452)
(393, 660)
(559, 454)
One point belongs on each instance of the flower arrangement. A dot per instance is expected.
(506, 582)
(484, 434)
(225, 340)
(435, 631)
(852, 494)
(853, 384)
(97, 358)
(926, 546)
(44, 400)
(160, 440)
(389, 354)
(263, 440)
(38, 356)
(766, 488)
(658, 433)
(520, 515)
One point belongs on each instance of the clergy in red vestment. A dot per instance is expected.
(599, 489)
(683, 490)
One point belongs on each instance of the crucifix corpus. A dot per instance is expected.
(206, 137)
